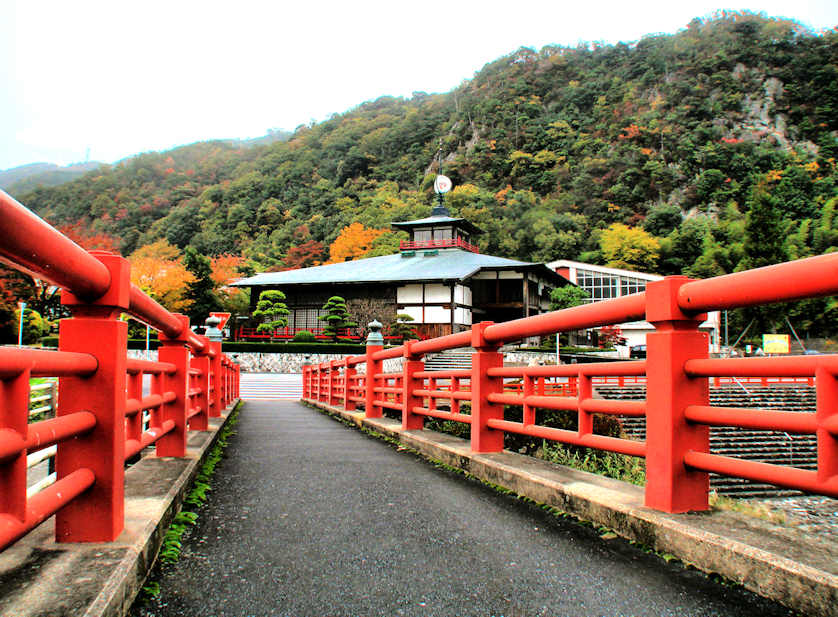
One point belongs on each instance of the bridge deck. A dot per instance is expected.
(308, 517)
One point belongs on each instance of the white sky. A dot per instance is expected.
(125, 76)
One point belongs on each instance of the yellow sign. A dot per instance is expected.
(775, 343)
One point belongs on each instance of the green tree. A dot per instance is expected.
(567, 296)
(336, 318)
(201, 291)
(272, 309)
(662, 220)
(764, 231)
(763, 246)
(562, 298)
(34, 326)
(401, 327)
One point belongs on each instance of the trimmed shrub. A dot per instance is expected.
(304, 336)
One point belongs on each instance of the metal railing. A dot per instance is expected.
(103, 418)
(677, 373)
(447, 243)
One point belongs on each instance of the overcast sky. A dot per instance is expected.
(119, 77)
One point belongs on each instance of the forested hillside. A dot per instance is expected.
(25, 178)
(701, 153)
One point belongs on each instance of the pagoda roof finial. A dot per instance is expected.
(442, 185)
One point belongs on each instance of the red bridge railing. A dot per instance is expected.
(677, 373)
(103, 418)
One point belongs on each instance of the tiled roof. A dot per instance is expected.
(423, 265)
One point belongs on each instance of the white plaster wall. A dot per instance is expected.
(409, 293)
(437, 293)
(437, 314)
(462, 295)
(413, 311)
(462, 316)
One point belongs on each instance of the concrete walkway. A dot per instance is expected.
(309, 517)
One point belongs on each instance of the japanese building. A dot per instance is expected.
(603, 283)
(438, 277)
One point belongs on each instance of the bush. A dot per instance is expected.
(304, 336)
(251, 346)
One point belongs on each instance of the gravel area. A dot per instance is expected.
(810, 513)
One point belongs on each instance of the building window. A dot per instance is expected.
(422, 235)
(443, 233)
(598, 285)
(631, 285)
(602, 286)
(305, 319)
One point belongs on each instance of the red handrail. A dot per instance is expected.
(676, 374)
(101, 419)
(30, 244)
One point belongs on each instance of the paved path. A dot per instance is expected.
(309, 517)
(271, 386)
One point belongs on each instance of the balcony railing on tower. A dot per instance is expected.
(444, 243)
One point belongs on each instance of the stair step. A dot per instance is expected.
(799, 451)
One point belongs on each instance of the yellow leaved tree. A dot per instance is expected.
(157, 269)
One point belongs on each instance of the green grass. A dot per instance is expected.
(608, 464)
(172, 545)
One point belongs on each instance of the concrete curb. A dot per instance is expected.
(40, 577)
(795, 569)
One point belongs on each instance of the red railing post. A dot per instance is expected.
(14, 416)
(134, 423)
(304, 377)
(375, 343)
(97, 515)
(527, 411)
(670, 485)
(200, 421)
(826, 410)
(216, 388)
(348, 385)
(222, 381)
(175, 352)
(410, 383)
(332, 397)
(584, 390)
(486, 356)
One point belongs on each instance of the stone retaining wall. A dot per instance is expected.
(252, 362)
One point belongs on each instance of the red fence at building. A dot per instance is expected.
(288, 334)
(677, 373)
(99, 421)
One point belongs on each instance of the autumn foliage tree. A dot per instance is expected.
(303, 255)
(224, 270)
(353, 242)
(157, 269)
(630, 248)
(79, 233)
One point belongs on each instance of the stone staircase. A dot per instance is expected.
(449, 360)
(762, 446)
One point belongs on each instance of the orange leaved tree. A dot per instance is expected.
(353, 242)
(157, 269)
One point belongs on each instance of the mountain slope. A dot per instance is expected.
(548, 150)
(25, 178)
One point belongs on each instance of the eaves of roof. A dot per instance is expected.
(446, 265)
